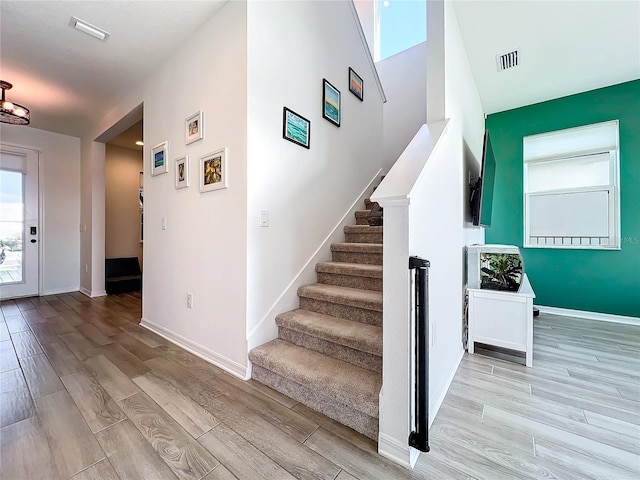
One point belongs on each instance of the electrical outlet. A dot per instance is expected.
(86, 268)
(164, 223)
(189, 300)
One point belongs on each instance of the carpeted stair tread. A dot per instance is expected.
(356, 335)
(335, 379)
(354, 297)
(357, 247)
(354, 269)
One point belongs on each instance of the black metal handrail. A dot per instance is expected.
(419, 438)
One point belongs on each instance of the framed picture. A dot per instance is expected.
(194, 128)
(182, 172)
(356, 84)
(330, 103)
(295, 128)
(213, 170)
(159, 156)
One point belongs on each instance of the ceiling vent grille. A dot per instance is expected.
(508, 60)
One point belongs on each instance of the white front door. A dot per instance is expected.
(19, 222)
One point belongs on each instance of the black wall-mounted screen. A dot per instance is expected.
(482, 193)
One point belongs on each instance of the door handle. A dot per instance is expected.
(33, 240)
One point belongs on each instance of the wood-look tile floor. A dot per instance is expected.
(89, 394)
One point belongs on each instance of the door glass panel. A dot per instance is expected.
(11, 226)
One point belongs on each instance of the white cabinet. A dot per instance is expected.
(503, 319)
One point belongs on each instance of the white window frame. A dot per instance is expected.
(565, 145)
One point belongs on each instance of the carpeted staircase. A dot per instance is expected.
(328, 354)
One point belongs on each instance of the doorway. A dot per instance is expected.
(19, 222)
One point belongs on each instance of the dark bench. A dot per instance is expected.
(122, 275)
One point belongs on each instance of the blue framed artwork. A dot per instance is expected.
(159, 159)
(330, 102)
(295, 128)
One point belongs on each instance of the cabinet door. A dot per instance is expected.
(500, 320)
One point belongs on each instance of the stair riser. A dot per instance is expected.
(340, 412)
(361, 217)
(357, 314)
(363, 237)
(347, 354)
(352, 281)
(358, 257)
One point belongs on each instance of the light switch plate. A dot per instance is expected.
(264, 218)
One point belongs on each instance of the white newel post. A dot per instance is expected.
(396, 414)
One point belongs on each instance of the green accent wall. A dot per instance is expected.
(591, 280)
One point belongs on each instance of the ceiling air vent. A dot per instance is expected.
(508, 60)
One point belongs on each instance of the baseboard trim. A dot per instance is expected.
(58, 291)
(602, 317)
(91, 294)
(206, 354)
(400, 453)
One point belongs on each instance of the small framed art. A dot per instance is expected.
(295, 128)
(356, 84)
(330, 103)
(159, 156)
(194, 128)
(213, 170)
(182, 172)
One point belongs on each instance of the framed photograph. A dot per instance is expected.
(159, 158)
(295, 128)
(182, 172)
(194, 128)
(330, 103)
(356, 84)
(213, 170)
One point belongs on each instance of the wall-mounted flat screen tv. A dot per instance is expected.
(482, 191)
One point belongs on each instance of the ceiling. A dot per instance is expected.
(129, 137)
(68, 78)
(566, 47)
(65, 77)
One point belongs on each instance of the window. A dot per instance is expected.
(571, 195)
(400, 25)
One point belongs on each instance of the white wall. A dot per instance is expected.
(60, 189)
(427, 209)
(307, 191)
(404, 77)
(462, 150)
(463, 107)
(122, 212)
(92, 218)
(366, 14)
(203, 249)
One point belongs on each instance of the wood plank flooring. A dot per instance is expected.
(89, 394)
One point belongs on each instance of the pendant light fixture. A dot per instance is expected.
(12, 112)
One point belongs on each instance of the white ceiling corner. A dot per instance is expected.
(566, 46)
(66, 77)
